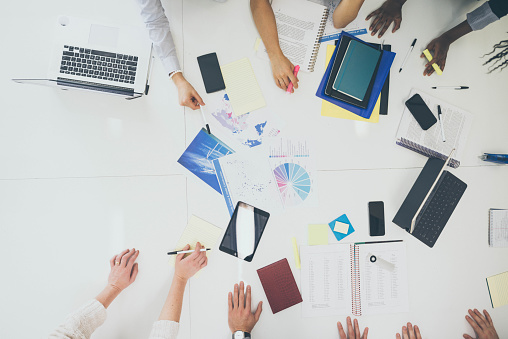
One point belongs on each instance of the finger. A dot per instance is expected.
(404, 333)
(350, 330)
(365, 332)
(479, 319)
(180, 256)
(230, 301)
(374, 23)
(125, 258)
(119, 256)
(357, 329)
(284, 82)
(204, 264)
(294, 80)
(396, 25)
(397, 336)
(242, 296)
(277, 82)
(342, 334)
(385, 27)
(248, 298)
(487, 316)
(467, 336)
(198, 98)
(235, 297)
(134, 272)
(112, 261)
(133, 258)
(410, 330)
(258, 311)
(473, 324)
(194, 255)
(378, 26)
(194, 104)
(417, 332)
(372, 14)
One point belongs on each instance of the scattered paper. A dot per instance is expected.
(341, 227)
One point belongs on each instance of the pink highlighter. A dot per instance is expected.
(295, 72)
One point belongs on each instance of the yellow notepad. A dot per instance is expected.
(318, 234)
(197, 230)
(242, 87)
(498, 289)
(330, 110)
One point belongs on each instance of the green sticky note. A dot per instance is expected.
(318, 234)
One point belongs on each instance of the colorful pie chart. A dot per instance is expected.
(294, 183)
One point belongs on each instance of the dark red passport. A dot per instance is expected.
(279, 285)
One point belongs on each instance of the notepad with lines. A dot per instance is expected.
(279, 285)
(498, 289)
(498, 227)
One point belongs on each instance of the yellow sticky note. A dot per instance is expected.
(256, 44)
(498, 289)
(295, 252)
(242, 87)
(341, 227)
(330, 110)
(434, 65)
(318, 234)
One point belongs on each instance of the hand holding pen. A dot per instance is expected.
(190, 265)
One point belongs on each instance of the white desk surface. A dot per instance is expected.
(84, 176)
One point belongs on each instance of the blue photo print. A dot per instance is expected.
(199, 156)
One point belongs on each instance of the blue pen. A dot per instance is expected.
(497, 158)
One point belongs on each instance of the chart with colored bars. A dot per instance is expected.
(293, 182)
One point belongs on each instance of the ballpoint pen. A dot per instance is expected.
(188, 251)
(407, 54)
(441, 122)
(204, 119)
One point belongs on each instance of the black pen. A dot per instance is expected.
(189, 251)
(450, 87)
(376, 242)
(440, 122)
(407, 54)
(204, 119)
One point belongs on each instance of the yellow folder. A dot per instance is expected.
(330, 110)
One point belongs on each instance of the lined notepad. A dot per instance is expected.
(242, 87)
(498, 289)
(197, 230)
(498, 227)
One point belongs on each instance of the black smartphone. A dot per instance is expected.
(244, 231)
(376, 218)
(210, 72)
(421, 112)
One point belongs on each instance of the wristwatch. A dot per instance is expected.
(241, 335)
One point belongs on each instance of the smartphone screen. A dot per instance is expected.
(244, 231)
(421, 112)
(376, 218)
(211, 73)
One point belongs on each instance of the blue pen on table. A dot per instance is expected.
(495, 158)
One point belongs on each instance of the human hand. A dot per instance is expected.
(187, 95)
(482, 326)
(409, 332)
(123, 269)
(240, 316)
(190, 265)
(439, 49)
(390, 11)
(282, 70)
(354, 333)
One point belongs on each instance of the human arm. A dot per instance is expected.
(345, 12)
(84, 321)
(390, 11)
(353, 332)
(482, 325)
(167, 325)
(159, 31)
(282, 68)
(410, 332)
(240, 316)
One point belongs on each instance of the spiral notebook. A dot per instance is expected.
(300, 25)
(498, 227)
(358, 279)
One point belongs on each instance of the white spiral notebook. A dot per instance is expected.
(498, 227)
(300, 25)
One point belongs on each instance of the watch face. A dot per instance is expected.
(240, 335)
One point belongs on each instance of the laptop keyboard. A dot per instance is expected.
(438, 209)
(96, 64)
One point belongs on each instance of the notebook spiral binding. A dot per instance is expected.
(413, 146)
(355, 281)
(315, 50)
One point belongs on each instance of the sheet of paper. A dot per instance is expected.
(498, 229)
(248, 130)
(197, 230)
(242, 87)
(326, 280)
(330, 110)
(246, 176)
(318, 234)
(382, 290)
(498, 289)
(340, 227)
(356, 24)
(457, 123)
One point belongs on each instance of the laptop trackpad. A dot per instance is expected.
(103, 35)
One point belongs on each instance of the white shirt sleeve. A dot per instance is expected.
(82, 323)
(164, 329)
(157, 24)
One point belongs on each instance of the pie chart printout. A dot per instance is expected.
(293, 182)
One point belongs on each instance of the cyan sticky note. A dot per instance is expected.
(343, 219)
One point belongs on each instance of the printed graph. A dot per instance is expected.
(294, 183)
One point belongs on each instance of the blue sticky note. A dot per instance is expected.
(339, 236)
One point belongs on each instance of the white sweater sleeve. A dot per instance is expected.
(164, 329)
(82, 323)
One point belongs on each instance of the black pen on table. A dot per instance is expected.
(149, 74)
(440, 122)
(450, 87)
(188, 251)
(204, 119)
(376, 242)
(407, 54)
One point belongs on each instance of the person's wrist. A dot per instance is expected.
(275, 54)
(178, 78)
(180, 278)
(113, 289)
(397, 2)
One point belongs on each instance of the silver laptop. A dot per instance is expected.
(98, 57)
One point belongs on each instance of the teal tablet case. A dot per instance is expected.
(356, 70)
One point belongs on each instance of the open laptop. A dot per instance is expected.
(96, 57)
(430, 202)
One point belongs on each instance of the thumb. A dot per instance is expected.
(198, 98)
(258, 311)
